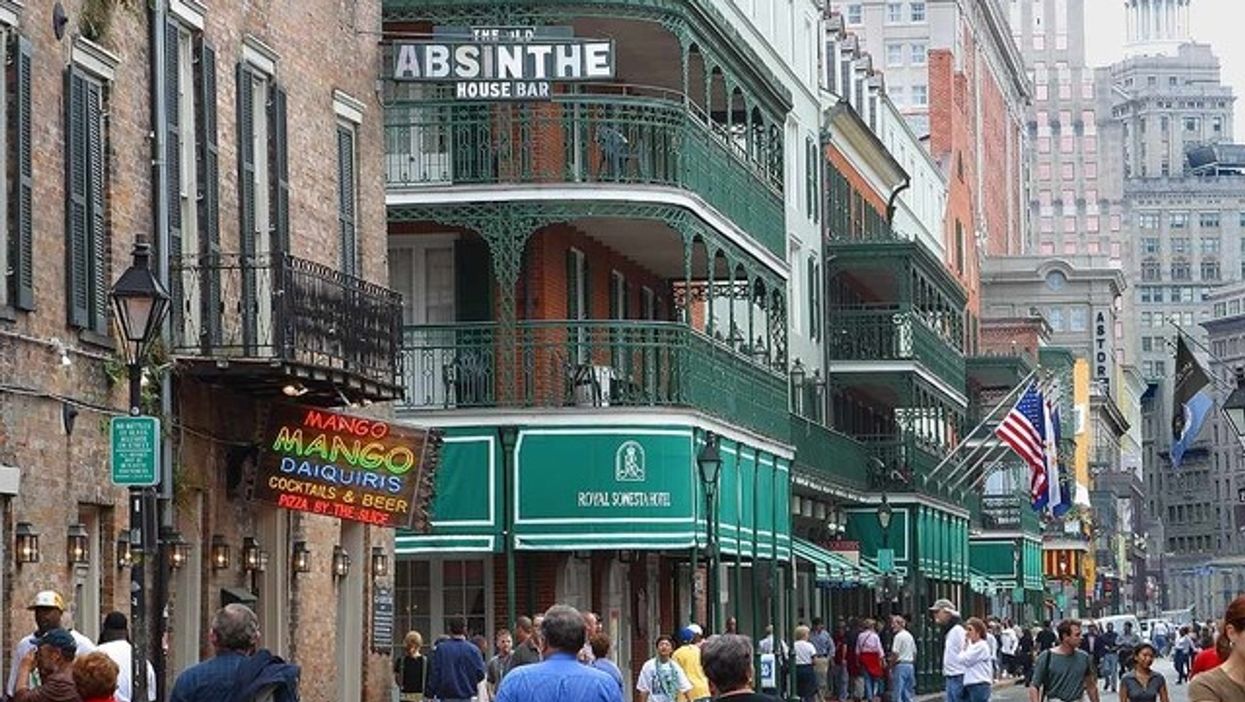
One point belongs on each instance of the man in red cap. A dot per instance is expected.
(49, 608)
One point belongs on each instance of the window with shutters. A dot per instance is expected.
(16, 229)
(86, 188)
(263, 192)
(347, 198)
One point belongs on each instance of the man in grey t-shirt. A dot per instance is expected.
(1065, 672)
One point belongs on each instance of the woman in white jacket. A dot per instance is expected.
(978, 662)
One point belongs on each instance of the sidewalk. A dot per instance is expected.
(930, 696)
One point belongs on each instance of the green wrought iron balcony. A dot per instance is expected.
(616, 134)
(890, 334)
(826, 451)
(900, 462)
(1009, 513)
(591, 364)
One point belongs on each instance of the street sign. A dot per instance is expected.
(382, 620)
(134, 446)
(886, 560)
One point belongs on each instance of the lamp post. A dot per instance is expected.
(709, 461)
(885, 513)
(139, 303)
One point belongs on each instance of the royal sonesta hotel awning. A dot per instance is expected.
(595, 488)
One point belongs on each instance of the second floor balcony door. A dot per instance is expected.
(422, 270)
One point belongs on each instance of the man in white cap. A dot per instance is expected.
(947, 616)
(48, 607)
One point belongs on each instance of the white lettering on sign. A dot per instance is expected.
(1101, 350)
(602, 498)
(515, 63)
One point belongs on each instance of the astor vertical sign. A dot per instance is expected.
(503, 63)
(1102, 348)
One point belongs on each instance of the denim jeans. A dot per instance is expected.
(1111, 670)
(903, 682)
(840, 681)
(977, 692)
(955, 688)
(874, 687)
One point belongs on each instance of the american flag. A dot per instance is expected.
(1024, 430)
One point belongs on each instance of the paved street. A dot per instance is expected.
(1179, 693)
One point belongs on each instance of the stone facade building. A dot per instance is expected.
(275, 214)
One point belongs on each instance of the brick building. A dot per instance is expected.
(275, 214)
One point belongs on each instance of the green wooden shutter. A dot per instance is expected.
(173, 168)
(208, 197)
(346, 199)
(572, 286)
(246, 200)
(278, 170)
(473, 300)
(96, 183)
(77, 245)
(21, 241)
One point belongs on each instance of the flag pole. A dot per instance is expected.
(1007, 398)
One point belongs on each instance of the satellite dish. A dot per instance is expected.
(59, 20)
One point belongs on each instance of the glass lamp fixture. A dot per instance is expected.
(221, 556)
(263, 561)
(139, 303)
(300, 559)
(177, 550)
(26, 543)
(380, 562)
(125, 555)
(78, 542)
(341, 562)
(250, 554)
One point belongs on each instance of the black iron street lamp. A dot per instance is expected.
(885, 513)
(709, 461)
(139, 303)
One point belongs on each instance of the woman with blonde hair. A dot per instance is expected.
(805, 675)
(410, 672)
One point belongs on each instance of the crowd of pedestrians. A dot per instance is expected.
(57, 664)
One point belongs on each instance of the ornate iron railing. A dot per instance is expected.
(827, 451)
(629, 135)
(894, 335)
(281, 307)
(901, 462)
(589, 364)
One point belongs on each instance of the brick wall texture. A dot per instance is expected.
(322, 45)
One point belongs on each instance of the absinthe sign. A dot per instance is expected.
(503, 63)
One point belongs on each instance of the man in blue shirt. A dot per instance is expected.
(559, 676)
(234, 636)
(457, 666)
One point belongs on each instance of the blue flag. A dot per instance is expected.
(1191, 401)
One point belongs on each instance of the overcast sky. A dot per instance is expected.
(1216, 22)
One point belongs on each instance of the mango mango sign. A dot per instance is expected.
(356, 468)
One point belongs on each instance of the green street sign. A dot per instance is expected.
(134, 445)
(886, 560)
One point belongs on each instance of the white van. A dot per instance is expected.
(1118, 621)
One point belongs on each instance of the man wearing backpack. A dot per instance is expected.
(1064, 673)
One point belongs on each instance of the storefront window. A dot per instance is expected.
(429, 590)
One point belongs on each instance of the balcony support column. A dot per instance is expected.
(711, 254)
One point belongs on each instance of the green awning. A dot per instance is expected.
(984, 584)
(829, 566)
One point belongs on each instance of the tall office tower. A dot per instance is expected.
(1067, 207)
(1165, 118)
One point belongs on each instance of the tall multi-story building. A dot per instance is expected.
(953, 69)
(1069, 213)
(607, 278)
(220, 136)
(1165, 123)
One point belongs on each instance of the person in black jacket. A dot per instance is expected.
(1024, 654)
